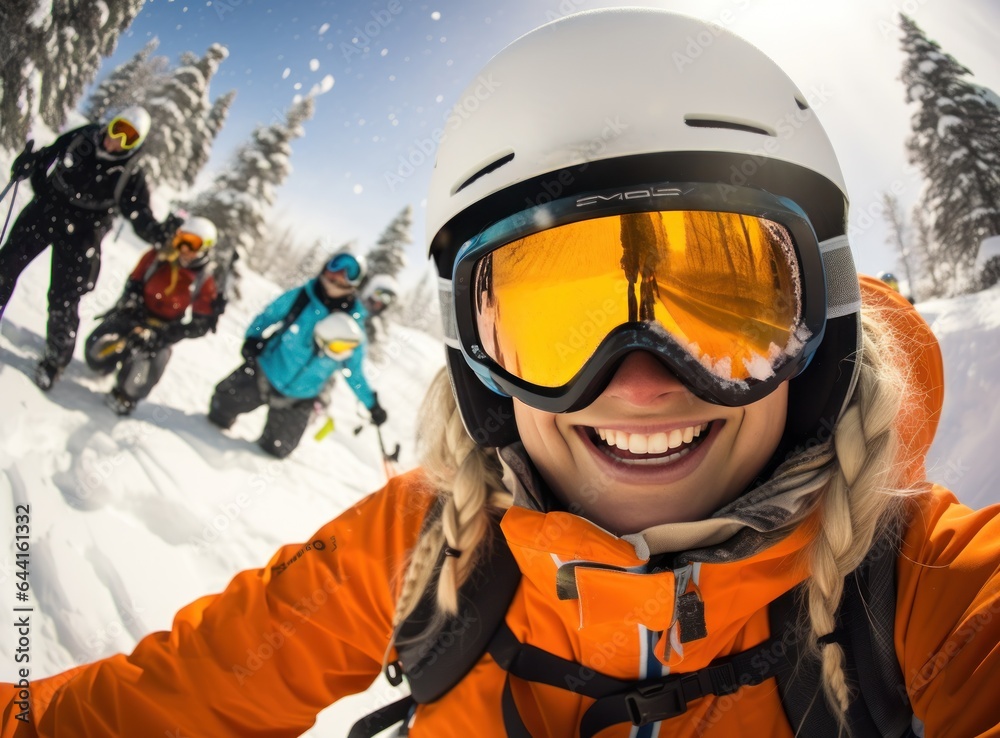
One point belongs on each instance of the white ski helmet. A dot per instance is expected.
(615, 99)
(201, 227)
(337, 335)
(382, 288)
(135, 118)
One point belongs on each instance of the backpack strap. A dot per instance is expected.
(125, 176)
(864, 629)
(435, 664)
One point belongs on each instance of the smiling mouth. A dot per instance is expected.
(662, 448)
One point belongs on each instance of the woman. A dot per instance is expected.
(663, 484)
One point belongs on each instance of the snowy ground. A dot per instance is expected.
(133, 518)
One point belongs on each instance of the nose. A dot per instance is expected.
(642, 380)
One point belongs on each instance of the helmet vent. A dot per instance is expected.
(803, 105)
(492, 166)
(730, 124)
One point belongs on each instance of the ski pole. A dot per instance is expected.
(10, 210)
(14, 180)
(6, 189)
(388, 460)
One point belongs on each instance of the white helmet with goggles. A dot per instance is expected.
(130, 127)
(338, 335)
(381, 288)
(198, 233)
(631, 200)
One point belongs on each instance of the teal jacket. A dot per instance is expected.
(291, 361)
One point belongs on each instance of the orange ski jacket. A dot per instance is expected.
(282, 642)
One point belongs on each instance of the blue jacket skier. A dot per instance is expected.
(292, 349)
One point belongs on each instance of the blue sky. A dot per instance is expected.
(399, 64)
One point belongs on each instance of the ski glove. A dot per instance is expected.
(170, 226)
(147, 339)
(23, 165)
(379, 415)
(131, 299)
(252, 348)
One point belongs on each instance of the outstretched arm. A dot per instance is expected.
(134, 205)
(260, 659)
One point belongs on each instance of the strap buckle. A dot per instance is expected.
(649, 703)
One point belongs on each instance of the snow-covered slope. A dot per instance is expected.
(133, 518)
(964, 456)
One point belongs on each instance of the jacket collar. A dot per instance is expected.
(695, 584)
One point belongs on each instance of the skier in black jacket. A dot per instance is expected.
(85, 178)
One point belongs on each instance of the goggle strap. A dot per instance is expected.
(843, 291)
(446, 299)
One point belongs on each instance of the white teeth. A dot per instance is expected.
(658, 443)
(655, 443)
(638, 443)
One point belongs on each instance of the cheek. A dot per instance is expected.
(545, 443)
(762, 427)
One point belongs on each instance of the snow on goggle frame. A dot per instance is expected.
(725, 285)
(193, 242)
(125, 133)
(348, 265)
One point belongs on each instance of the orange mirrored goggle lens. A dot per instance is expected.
(124, 131)
(341, 347)
(190, 240)
(723, 286)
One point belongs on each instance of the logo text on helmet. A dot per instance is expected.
(629, 195)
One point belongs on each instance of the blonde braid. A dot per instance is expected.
(468, 480)
(859, 501)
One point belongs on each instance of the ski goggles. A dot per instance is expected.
(125, 132)
(340, 349)
(347, 264)
(383, 296)
(192, 241)
(725, 285)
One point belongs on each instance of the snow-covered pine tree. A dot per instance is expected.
(214, 121)
(128, 84)
(956, 144)
(935, 268)
(238, 200)
(77, 37)
(179, 109)
(388, 255)
(893, 215)
(420, 308)
(21, 43)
